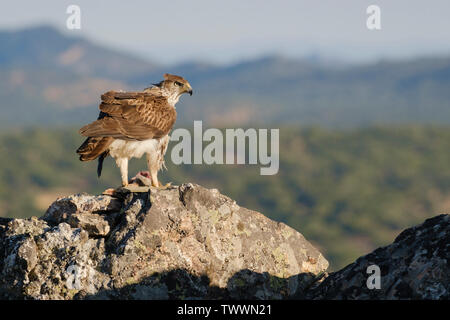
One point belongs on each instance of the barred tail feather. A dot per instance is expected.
(93, 147)
(100, 163)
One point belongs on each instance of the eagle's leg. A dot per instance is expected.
(122, 163)
(155, 182)
(153, 169)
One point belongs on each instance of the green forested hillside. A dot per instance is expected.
(347, 191)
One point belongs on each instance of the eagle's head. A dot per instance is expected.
(174, 86)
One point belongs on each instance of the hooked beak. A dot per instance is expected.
(188, 89)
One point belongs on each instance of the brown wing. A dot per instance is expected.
(93, 147)
(132, 116)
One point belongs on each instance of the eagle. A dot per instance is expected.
(131, 124)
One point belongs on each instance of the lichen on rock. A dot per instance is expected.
(183, 242)
(189, 242)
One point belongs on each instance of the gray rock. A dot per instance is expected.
(183, 242)
(189, 242)
(94, 224)
(415, 266)
(63, 208)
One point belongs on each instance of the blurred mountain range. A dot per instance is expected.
(49, 78)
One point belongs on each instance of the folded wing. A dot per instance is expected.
(132, 116)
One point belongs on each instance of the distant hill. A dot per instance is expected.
(45, 47)
(48, 78)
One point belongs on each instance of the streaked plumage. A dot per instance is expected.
(132, 124)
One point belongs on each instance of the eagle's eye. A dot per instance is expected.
(177, 83)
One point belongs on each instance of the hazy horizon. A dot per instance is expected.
(176, 32)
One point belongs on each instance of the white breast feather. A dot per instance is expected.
(132, 149)
(155, 148)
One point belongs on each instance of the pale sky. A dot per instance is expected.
(227, 31)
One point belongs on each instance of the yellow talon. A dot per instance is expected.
(163, 187)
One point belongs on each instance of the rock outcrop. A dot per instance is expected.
(189, 242)
(415, 266)
(184, 242)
